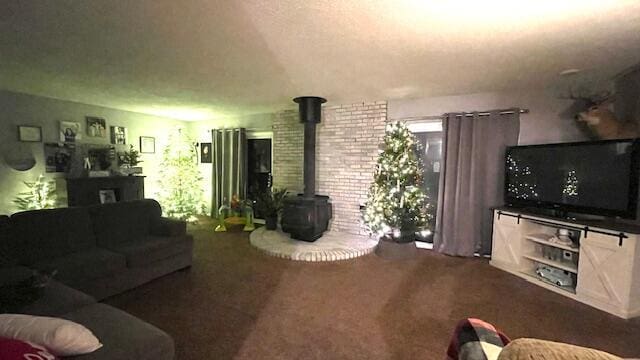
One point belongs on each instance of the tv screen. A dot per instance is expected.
(596, 177)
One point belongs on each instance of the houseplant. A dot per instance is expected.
(397, 207)
(130, 159)
(270, 203)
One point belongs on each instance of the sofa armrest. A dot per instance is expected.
(170, 227)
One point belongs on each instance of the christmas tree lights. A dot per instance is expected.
(396, 203)
(570, 187)
(523, 183)
(181, 192)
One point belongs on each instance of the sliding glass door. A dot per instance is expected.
(259, 168)
(429, 135)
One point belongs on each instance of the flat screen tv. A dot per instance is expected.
(594, 177)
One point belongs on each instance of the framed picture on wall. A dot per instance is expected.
(29, 133)
(58, 157)
(96, 127)
(147, 145)
(69, 131)
(118, 135)
(205, 153)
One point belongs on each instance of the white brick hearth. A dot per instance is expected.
(332, 246)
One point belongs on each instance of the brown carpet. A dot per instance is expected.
(238, 303)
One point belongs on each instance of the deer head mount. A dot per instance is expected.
(595, 112)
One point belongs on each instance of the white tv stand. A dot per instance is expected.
(606, 273)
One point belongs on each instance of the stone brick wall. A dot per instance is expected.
(346, 152)
(288, 151)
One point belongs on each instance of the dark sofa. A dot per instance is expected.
(98, 251)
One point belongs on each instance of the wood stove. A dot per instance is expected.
(306, 216)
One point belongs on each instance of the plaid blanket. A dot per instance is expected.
(474, 339)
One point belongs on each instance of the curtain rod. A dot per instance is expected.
(467, 114)
(487, 113)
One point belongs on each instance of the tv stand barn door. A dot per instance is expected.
(601, 269)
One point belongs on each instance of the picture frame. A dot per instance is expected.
(57, 157)
(107, 196)
(96, 126)
(27, 133)
(118, 135)
(205, 153)
(70, 131)
(147, 145)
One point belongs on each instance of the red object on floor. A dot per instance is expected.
(12, 349)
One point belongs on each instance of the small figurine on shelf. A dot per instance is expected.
(562, 238)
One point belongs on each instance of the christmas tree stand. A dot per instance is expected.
(391, 249)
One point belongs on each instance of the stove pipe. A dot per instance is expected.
(310, 108)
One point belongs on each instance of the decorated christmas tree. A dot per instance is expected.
(396, 205)
(181, 193)
(41, 194)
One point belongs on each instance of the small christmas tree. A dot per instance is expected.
(396, 205)
(41, 195)
(181, 194)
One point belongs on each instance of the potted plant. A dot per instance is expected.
(130, 159)
(270, 204)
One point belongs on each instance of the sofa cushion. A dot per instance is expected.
(124, 222)
(123, 336)
(154, 248)
(51, 233)
(57, 299)
(85, 265)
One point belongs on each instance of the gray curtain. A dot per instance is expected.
(229, 152)
(472, 180)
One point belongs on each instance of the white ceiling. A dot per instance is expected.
(202, 59)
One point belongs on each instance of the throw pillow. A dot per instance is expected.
(474, 339)
(61, 337)
(12, 349)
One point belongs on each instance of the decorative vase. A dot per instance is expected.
(271, 222)
(131, 170)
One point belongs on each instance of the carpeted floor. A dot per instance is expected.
(238, 303)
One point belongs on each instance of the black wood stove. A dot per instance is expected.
(306, 216)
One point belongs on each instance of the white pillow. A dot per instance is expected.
(61, 337)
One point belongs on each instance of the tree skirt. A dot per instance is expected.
(330, 247)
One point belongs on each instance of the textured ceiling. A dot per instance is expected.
(201, 59)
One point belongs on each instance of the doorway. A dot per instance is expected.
(259, 157)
